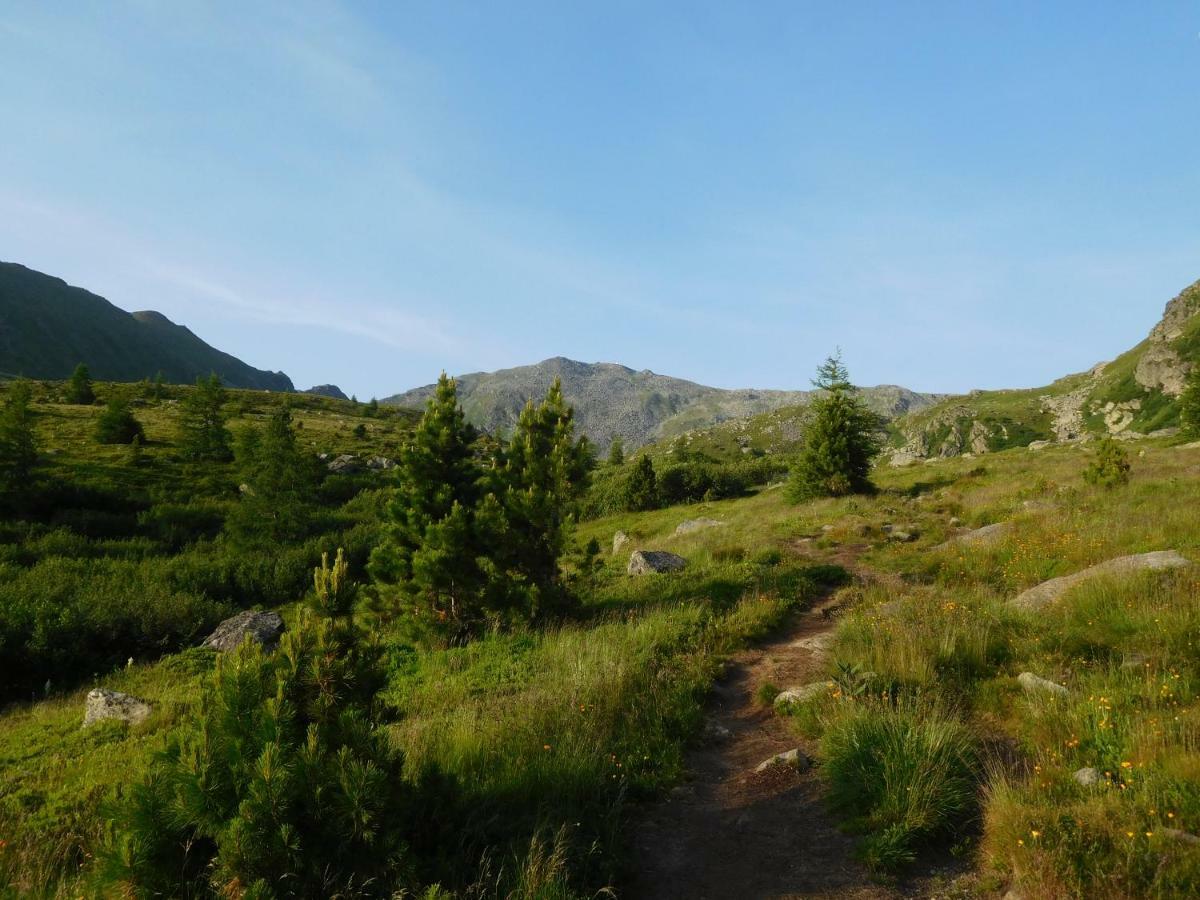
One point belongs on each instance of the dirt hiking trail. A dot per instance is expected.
(729, 832)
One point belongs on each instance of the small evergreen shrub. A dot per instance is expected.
(79, 388)
(1110, 467)
(117, 424)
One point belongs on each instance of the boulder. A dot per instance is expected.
(714, 733)
(1035, 684)
(643, 562)
(106, 704)
(344, 464)
(979, 537)
(797, 695)
(690, 525)
(620, 539)
(1178, 834)
(901, 536)
(1087, 777)
(794, 758)
(380, 463)
(1048, 592)
(818, 643)
(263, 627)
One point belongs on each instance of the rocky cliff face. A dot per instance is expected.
(1130, 397)
(640, 406)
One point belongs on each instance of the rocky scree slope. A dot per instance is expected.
(47, 327)
(1133, 396)
(639, 406)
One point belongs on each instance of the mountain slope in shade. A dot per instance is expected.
(640, 406)
(47, 327)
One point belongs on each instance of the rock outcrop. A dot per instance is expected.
(264, 628)
(1035, 684)
(794, 758)
(805, 692)
(105, 704)
(645, 562)
(1048, 592)
(690, 525)
(979, 537)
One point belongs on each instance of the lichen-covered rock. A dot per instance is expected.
(264, 628)
(979, 537)
(796, 695)
(105, 704)
(344, 464)
(1087, 776)
(1046, 593)
(620, 539)
(645, 562)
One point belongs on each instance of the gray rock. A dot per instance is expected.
(620, 539)
(344, 464)
(263, 627)
(796, 695)
(1177, 834)
(794, 758)
(643, 562)
(380, 463)
(106, 704)
(714, 733)
(690, 525)
(902, 537)
(818, 643)
(980, 537)
(1035, 684)
(1087, 777)
(1046, 593)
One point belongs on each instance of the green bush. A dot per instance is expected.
(117, 424)
(1110, 467)
(903, 774)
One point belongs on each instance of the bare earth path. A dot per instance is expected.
(730, 833)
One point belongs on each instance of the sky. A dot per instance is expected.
(959, 195)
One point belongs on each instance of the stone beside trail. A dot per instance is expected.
(645, 562)
(801, 694)
(1046, 593)
(794, 758)
(105, 704)
(264, 628)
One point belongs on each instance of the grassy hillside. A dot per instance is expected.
(638, 406)
(48, 327)
(552, 734)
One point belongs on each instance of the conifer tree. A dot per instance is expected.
(79, 388)
(641, 489)
(616, 451)
(840, 441)
(1189, 403)
(159, 389)
(203, 435)
(543, 469)
(429, 559)
(1110, 467)
(117, 424)
(18, 447)
(285, 786)
(282, 479)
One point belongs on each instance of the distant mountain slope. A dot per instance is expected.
(47, 327)
(611, 399)
(1134, 395)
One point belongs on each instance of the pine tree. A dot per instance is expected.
(282, 479)
(286, 786)
(840, 441)
(641, 488)
(18, 447)
(203, 433)
(1189, 403)
(542, 471)
(616, 452)
(79, 388)
(1110, 467)
(429, 559)
(117, 424)
(371, 410)
(159, 388)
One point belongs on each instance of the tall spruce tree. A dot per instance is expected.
(840, 441)
(284, 785)
(281, 481)
(1189, 402)
(641, 487)
(525, 521)
(18, 447)
(428, 561)
(79, 388)
(203, 435)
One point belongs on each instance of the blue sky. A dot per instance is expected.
(958, 194)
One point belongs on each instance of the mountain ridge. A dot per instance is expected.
(48, 326)
(639, 406)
